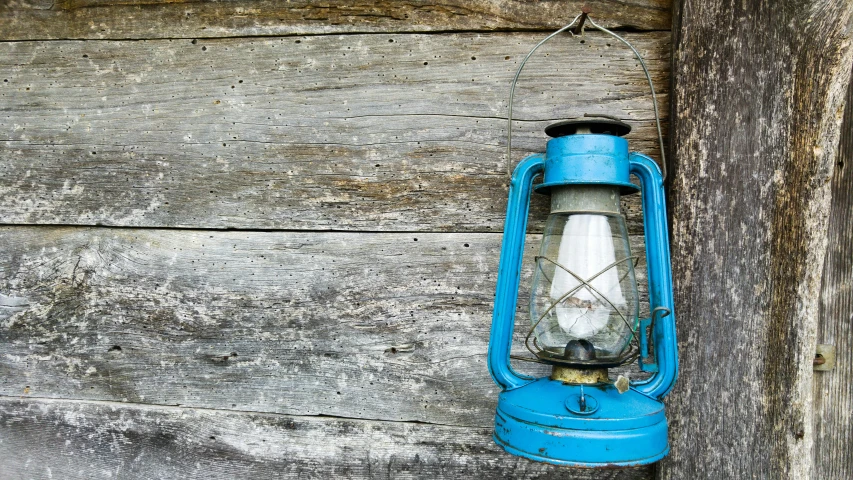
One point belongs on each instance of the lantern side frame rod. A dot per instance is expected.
(659, 277)
(509, 274)
(589, 19)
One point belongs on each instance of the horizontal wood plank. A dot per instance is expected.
(375, 326)
(61, 439)
(136, 19)
(355, 132)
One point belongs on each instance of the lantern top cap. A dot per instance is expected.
(594, 124)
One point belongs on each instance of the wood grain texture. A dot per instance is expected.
(833, 452)
(756, 120)
(136, 19)
(61, 439)
(355, 132)
(269, 354)
(372, 326)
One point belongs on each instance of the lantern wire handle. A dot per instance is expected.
(589, 19)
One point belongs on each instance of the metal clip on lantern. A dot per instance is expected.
(584, 304)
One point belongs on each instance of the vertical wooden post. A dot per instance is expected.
(833, 394)
(757, 103)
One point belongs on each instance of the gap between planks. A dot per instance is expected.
(238, 229)
(166, 408)
(331, 34)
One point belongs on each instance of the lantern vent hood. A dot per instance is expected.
(588, 124)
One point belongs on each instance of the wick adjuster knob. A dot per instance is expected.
(583, 404)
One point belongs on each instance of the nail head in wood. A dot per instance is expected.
(824, 358)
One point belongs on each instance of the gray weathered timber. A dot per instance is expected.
(833, 424)
(757, 104)
(358, 325)
(353, 132)
(112, 19)
(63, 439)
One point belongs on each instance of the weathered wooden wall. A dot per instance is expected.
(257, 239)
(253, 239)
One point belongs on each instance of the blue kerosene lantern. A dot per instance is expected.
(584, 306)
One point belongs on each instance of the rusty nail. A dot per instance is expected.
(824, 357)
(585, 11)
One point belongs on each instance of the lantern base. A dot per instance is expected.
(547, 421)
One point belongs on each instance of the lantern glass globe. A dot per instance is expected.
(584, 287)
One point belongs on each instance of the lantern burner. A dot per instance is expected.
(580, 350)
(598, 124)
